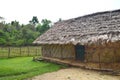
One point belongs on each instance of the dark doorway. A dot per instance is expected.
(80, 52)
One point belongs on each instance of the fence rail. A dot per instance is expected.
(20, 51)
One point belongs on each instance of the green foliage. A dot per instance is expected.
(1, 25)
(21, 68)
(34, 20)
(3, 37)
(19, 42)
(44, 26)
(14, 34)
(2, 41)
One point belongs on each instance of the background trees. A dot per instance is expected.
(44, 26)
(34, 20)
(15, 34)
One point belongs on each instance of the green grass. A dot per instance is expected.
(23, 67)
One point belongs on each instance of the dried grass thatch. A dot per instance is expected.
(94, 28)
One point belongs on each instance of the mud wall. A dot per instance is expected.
(58, 51)
(104, 53)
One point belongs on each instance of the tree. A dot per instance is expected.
(34, 20)
(28, 35)
(59, 20)
(1, 26)
(1, 18)
(14, 34)
(2, 37)
(44, 26)
(15, 24)
(1, 22)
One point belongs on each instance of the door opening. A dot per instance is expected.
(80, 52)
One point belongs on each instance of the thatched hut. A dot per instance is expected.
(93, 38)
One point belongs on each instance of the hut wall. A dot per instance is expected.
(58, 51)
(105, 53)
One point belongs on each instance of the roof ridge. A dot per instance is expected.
(95, 13)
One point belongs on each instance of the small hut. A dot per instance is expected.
(92, 39)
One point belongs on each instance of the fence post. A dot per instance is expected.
(36, 51)
(41, 51)
(28, 51)
(8, 52)
(20, 50)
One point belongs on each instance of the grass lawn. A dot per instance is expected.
(23, 67)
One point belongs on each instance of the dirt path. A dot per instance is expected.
(75, 74)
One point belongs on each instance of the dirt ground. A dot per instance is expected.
(75, 74)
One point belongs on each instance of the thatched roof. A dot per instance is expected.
(93, 28)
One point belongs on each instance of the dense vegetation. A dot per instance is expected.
(21, 68)
(15, 34)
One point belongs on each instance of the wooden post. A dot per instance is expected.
(36, 52)
(114, 58)
(99, 60)
(20, 51)
(8, 52)
(61, 51)
(41, 51)
(51, 48)
(86, 57)
(28, 51)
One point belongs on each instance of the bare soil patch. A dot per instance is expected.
(75, 74)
